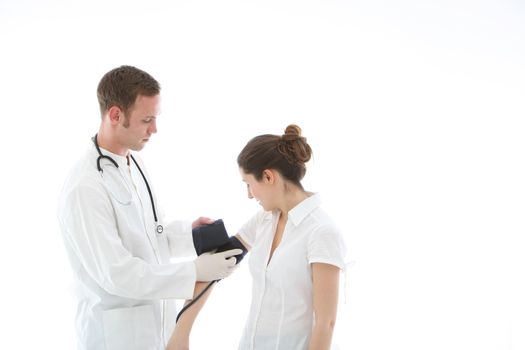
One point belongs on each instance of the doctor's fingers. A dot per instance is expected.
(229, 253)
(231, 262)
(226, 268)
(231, 270)
(202, 220)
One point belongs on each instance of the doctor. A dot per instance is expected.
(118, 245)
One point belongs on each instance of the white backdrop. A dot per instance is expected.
(414, 110)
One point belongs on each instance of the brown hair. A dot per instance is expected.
(287, 154)
(121, 86)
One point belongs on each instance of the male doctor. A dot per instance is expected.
(118, 246)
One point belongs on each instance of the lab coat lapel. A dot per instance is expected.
(144, 204)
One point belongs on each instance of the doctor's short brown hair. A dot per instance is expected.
(121, 86)
(287, 154)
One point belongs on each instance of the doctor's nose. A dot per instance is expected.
(153, 127)
(250, 195)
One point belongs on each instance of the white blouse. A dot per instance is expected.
(281, 312)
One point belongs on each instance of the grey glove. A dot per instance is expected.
(210, 267)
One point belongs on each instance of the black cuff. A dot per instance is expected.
(209, 237)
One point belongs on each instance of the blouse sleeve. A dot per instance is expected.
(326, 245)
(248, 231)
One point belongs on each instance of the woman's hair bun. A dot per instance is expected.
(294, 146)
(292, 129)
(285, 153)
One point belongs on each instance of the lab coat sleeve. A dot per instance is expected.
(91, 231)
(180, 239)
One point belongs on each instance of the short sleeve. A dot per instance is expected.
(248, 231)
(326, 245)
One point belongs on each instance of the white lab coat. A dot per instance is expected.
(124, 283)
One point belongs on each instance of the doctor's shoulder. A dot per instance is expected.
(83, 174)
(79, 191)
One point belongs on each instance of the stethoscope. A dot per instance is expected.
(101, 156)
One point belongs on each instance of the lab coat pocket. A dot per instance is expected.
(131, 328)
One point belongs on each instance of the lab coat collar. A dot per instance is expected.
(301, 210)
(121, 160)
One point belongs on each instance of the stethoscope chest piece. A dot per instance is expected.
(160, 229)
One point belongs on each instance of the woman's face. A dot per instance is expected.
(261, 190)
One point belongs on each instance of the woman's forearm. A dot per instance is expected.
(322, 335)
(180, 338)
(325, 279)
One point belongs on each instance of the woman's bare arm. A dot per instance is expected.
(325, 297)
(180, 338)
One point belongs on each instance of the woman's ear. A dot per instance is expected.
(268, 176)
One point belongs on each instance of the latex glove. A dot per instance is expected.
(211, 267)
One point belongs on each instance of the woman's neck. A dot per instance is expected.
(291, 199)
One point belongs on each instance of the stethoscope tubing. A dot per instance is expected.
(101, 156)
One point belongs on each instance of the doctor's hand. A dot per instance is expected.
(210, 267)
(202, 221)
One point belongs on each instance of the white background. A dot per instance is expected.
(414, 110)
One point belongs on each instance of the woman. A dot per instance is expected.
(297, 253)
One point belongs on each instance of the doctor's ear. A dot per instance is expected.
(114, 114)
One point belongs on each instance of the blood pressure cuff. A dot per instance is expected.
(234, 243)
(209, 237)
(214, 236)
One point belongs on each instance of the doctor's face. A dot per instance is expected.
(140, 123)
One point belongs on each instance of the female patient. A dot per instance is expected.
(296, 252)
